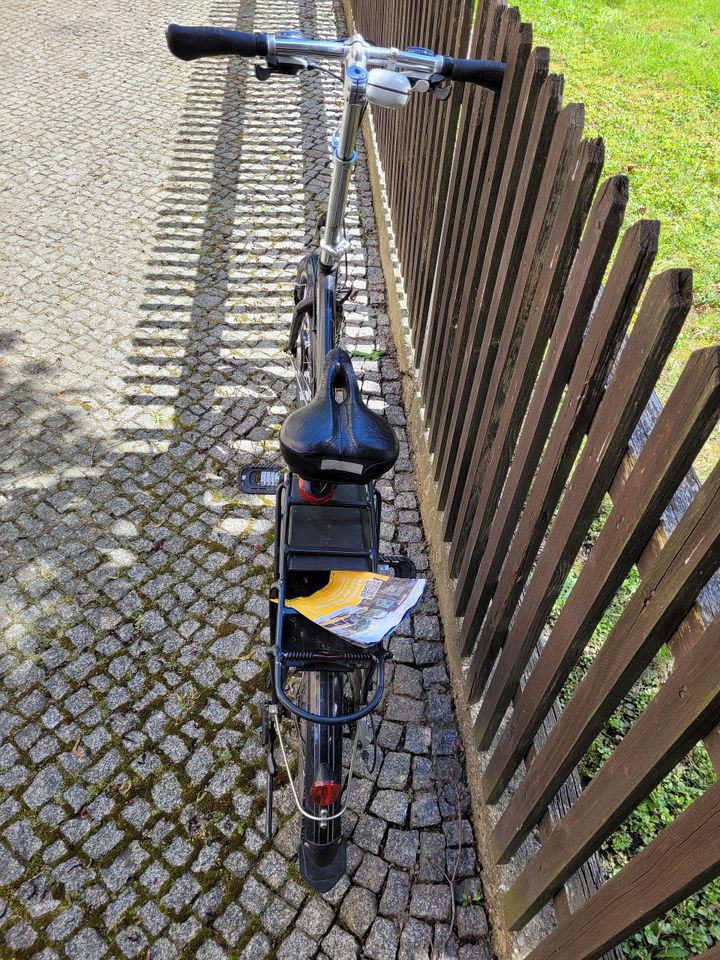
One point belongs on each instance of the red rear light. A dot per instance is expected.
(324, 793)
(316, 493)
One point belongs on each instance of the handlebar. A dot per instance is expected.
(191, 43)
(485, 73)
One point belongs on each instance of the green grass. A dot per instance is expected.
(648, 72)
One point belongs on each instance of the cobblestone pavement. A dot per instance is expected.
(152, 213)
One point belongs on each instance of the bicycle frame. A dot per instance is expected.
(334, 243)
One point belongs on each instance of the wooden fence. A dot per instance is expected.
(537, 403)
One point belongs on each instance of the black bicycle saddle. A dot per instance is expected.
(336, 438)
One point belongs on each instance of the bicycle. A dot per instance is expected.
(335, 448)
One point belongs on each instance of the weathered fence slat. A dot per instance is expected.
(488, 303)
(397, 124)
(487, 248)
(418, 156)
(410, 121)
(573, 318)
(683, 426)
(589, 877)
(475, 358)
(445, 195)
(654, 611)
(707, 606)
(712, 954)
(611, 317)
(590, 262)
(522, 343)
(666, 304)
(675, 864)
(434, 131)
(497, 116)
(469, 154)
(685, 709)
(549, 484)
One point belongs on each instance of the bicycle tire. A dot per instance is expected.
(302, 337)
(322, 848)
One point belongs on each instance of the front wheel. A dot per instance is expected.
(320, 772)
(302, 333)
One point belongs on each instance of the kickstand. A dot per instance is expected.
(268, 735)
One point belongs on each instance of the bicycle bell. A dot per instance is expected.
(386, 88)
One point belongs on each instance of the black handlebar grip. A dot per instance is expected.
(486, 73)
(191, 43)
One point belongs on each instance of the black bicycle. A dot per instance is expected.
(327, 506)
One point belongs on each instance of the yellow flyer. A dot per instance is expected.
(361, 607)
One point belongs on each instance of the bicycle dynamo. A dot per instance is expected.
(328, 509)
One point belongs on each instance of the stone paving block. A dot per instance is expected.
(407, 681)
(273, 869)
(181, 893)
(401, 847)
(371, 873)
(425, 811)
(254, 896)
(432, 861)
(369, 833)
(382, 941)
(132, 941)
(390, 805)
(358, 910)
(211, 951)
(396, 894)
(463, 863)
(20, 937)
(415, 940)
(277, 917)
(404, 709)
(472, 923)
(259, 947)
(430, 901)
(340, 945)
(297, 946)
(389, 734)
(64, 923)
(476, 951)
(153, 919)
(231, 924)
(445, 943)
(395, 771)
(87, 945)
(316, 918)
(10, 868)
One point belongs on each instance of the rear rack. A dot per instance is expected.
(306, 538)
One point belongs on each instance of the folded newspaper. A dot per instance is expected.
(361, 607)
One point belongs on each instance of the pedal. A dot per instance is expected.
(398, 566)
(259, 478)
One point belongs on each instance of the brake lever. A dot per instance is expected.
(440, 86)
(287, 66)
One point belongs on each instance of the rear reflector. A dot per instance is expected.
(324, 793)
